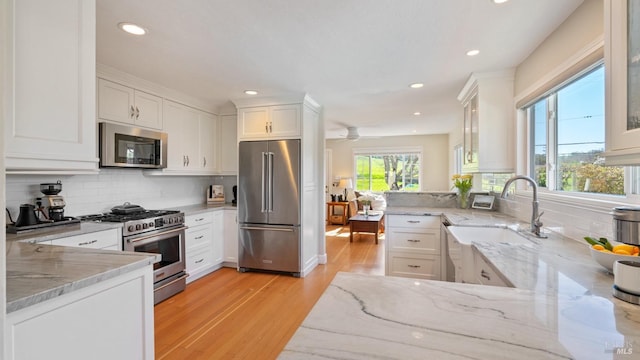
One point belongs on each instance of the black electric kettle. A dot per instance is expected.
(27, 215)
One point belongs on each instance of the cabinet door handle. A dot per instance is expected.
(199, 261)
(413, 221)
(88, 243)
(485, 275)
(413, 266)
(266, 127)
(469, 156)
(204, 162)
(413, 240)
(270, 127)
(137, 113)
(132, 113)
(184, 161)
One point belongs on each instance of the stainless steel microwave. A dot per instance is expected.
(132, 147)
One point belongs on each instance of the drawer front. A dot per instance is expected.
(413, 221)
(199, 219)
(95, 240)
(198, 258)
(199, 236)
(425, 267)
(485, 274)
(426, 241)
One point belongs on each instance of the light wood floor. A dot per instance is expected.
(230, 315)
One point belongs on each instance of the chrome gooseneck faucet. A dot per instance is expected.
(536, 224)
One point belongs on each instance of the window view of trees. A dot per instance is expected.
(388, 172)
(576, 114)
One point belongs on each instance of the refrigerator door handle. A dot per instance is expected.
(266, 228)
(263, 187)
(270, 154)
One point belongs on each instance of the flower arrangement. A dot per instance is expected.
(462, 182)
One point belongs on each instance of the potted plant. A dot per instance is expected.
(463, 184)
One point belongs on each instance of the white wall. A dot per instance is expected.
(435, 160)
(585, 25)
(89, 194)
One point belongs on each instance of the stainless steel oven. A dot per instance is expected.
(153, 231)
(169, 273)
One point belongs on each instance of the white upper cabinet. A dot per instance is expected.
(489, 116)
(622, 82)
(50, 82)
(127, 105)
(269, 122)
(228, 143)
(192, 138)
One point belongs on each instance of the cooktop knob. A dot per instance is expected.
(151, 224)
(138, 227)
(144, 226)
(130, 228)
(170, 220)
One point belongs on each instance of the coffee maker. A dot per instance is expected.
(52, 201)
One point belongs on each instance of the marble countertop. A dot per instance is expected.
(57, 232)
(561, 308)
(36, 273)
(199, 208)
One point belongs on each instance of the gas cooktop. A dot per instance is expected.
(111, 217)
(139, 222)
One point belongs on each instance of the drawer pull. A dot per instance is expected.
(199, 219)
(88, 243)
(413, 266)
(485, 275)
(413, 221)
(199, 261)
(199, 237)
(413, 240)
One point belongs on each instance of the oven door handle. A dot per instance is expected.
(157, 234)
(172, 282)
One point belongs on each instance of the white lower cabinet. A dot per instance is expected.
(204, 243)
(104, 240)
(112, 319)
(231, 238)
(413, 246)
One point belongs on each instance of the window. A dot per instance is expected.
(383, 170)
(567, 138)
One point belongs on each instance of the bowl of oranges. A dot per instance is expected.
(606, 252)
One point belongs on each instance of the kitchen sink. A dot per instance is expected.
(460, 238)
(466, 234)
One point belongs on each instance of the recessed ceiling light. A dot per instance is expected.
(132, 28)
(415, 131)
(499, 1)
(416, 113)
(416, 85)
(473, 52)
(251, 92)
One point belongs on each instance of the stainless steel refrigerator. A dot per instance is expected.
(269, 206)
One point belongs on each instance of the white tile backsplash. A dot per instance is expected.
(88, 194)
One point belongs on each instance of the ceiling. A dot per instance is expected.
(354, 57)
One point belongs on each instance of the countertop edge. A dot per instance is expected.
(139, 260)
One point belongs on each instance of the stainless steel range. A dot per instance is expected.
(153, 231)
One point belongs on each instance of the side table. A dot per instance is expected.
(337, 219)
